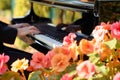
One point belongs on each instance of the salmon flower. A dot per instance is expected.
(86, 46)
(48, 58)
(59, 62)
(20, 65)
(106, 26)
(66, 77)
(37, 61)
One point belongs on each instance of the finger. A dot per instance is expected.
(23, 25)
(32, 32)
(34, 28)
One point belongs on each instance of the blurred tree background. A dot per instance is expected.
(4, 4)
(5, 12)
(20, 7)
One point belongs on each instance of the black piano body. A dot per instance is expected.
(61, 13)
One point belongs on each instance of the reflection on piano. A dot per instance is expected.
(60, 18)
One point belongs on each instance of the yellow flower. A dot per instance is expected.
(20, 65)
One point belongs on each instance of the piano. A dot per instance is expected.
(61, 18)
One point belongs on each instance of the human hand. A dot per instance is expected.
(23, 31)
(20, 25)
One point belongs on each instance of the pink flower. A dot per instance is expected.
(37, 61)
(85, 69)
(48, 58)
(117, 76)
(69, 39)
(115, 30)
(3, 60)
(66, 77)
(3, 69)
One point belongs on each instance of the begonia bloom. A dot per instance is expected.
(86, 69)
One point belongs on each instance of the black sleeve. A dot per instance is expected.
(7, 34)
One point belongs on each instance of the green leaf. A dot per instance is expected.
(10, 75)
(77, 78)
(102, 69)
(112, 43)
(36, 75)
(73, 72)
(118, 44)
(94, 57)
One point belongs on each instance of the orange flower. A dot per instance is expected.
(86, 46)
(115, 63)
(59, 62)
(104, 51)
(65, 49)
(74, 52)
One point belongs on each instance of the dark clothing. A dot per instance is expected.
(8, 35)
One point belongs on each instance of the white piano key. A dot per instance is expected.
(47, 40)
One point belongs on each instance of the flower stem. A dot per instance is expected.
(22, 72)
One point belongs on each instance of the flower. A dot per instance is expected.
(69, 39)
(37, 61)
(115, 30)
(58, 63)
(95, 59)
(86, 46)
(3, 60)
(117, 76)
(19, 65)
(85, 69)
(66, 77)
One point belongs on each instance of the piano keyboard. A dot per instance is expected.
(51, 37)
(47, 41)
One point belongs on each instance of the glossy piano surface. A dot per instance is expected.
(74, 5)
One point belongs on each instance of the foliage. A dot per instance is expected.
(66, 62)
(111, 8)
(21, 7)
(4, 4)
